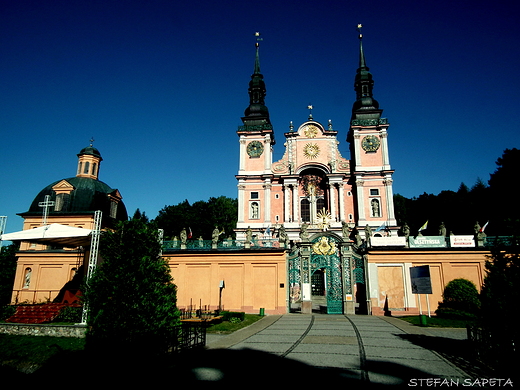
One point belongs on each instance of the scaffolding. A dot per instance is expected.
(92, 261)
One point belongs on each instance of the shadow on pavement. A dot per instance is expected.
(216, 367)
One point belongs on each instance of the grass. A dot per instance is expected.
(226, 327)
(26, 354)
(438, 322)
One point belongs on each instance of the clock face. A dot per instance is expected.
(255, 149)
(310, 131)
(311, 151)
(370, 143)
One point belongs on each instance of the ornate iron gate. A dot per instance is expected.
(329, 253)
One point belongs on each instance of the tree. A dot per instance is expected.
(131, 296)
(506, 211)
(140, 215)
(7, 272)
(500, 295)
(201, 217)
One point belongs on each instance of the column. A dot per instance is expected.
(342, 216)
(287, 206)
(267, 201)
(295, 200)
(332, 199)
(241, 204)
(242, 155)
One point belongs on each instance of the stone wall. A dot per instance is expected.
(44, 330)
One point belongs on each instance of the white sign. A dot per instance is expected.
(388, 241)
(462, 241)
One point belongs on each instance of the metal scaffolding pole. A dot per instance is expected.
(92, 261)
(3, 222)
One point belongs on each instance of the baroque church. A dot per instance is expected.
(313, 184)
(316, 230)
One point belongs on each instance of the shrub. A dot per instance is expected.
(460, 300)
(229, 315)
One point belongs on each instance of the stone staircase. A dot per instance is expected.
(36, 314)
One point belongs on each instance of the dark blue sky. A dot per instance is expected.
(162, 85)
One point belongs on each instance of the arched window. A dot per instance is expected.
(87, 166)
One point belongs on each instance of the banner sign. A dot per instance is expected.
(421, 281)
(388, 241)
(427, 242)
(462, 241)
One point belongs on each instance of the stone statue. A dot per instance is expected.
(304, 234)
(345, 230)
(375, 207)
(368, 234)
(406, 230)
(476, 228)
(282, 234)
(249, 235)
(184, 236)
(442, 230)
(215, 235)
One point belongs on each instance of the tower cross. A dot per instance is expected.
(46, 204)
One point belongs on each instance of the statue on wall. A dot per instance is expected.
(249, 235)
(282, 235)
(368, 234)
(304, 234)
(375, 208)
(442, 230)
(184, 236)
(406, 231)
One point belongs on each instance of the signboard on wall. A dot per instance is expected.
(388, 241)
(421, 280)
(427, 242)
(462, 241)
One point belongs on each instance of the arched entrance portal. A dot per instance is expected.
(322, 275)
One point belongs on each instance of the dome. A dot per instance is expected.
(87, 196)
(90, 150)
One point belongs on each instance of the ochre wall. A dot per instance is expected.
(390, 276)
(253, 280)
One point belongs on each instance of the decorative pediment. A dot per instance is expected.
(63, 187)
(115, 195)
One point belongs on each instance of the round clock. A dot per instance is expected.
(370, 143)
(255, 149)
(310, 131)
(311, 150)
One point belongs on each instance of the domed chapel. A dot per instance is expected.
(43, 269)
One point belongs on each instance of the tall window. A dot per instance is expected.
(305, 210)
(87, 166)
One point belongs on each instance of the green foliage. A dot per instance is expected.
(459, 210)
(460, 300)
(7, 272)
(131, 296)
(229, 315)
(70, 314)
(28, 353)
(201, 217)
(500, 294)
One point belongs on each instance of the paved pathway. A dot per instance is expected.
(317, 349)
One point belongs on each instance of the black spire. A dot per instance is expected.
(257, 108)
(365, 105)
(256, 115)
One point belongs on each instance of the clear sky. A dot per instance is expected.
(162, 85)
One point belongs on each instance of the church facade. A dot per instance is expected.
(313, 184)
